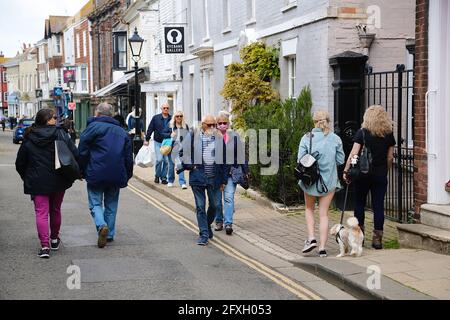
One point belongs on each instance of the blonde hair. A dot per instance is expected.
(172, 121)
(322, 121)
(223, 115)
(376, 120)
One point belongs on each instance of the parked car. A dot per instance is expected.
(20, 129)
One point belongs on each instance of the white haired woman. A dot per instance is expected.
(329, 155)
(179, 130)
(376, 132)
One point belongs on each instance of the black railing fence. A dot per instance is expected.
(394, 91)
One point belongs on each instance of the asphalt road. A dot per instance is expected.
(152, 257)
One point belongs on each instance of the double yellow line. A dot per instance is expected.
(280, 279)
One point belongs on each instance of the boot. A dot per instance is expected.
(377, 239)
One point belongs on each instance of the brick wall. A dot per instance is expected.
(84, 58)
(421, 87)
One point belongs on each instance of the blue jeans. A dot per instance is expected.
(103, 204)
(377, 185)
(171, 173)
(162, 163)
(228, 204)
(206, 218)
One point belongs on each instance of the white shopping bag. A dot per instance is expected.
(146, 156)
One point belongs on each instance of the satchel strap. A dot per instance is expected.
(310, 142)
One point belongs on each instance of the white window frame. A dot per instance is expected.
(5, 96)
(251, 8)
(84, 89)
(226, 16)
(289, 4)
(84, 43)
(4, 77)
(77, 45)
(292, 75)
(57, 44)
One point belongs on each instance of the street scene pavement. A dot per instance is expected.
(154, 255)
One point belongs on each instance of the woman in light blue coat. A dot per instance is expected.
(330, 154)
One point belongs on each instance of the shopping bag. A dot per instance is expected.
(166, 146)
(145, 157)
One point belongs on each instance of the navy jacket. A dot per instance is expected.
(192, 160)
(157, 126)
(105, 150)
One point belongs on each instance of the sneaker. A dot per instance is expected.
(164, 181)
(54, 244)
(170, 185)
(156, 180)
(219, 226)
(229, 229)
(202, 242)
(102, 234)
(184, 187)
(322, 253)
(44, 253)
(309, 245)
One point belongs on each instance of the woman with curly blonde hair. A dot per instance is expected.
(376, 134)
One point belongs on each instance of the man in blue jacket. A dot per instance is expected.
(160, 127)
(203, 154)
(106, 163)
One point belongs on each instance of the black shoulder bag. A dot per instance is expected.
(362, 165)
(65, 162)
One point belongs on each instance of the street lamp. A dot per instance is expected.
(136, 46)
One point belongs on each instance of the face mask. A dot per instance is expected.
(222, 127)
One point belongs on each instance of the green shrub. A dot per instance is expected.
(292, 117)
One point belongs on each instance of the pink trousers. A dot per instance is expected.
(45, 205)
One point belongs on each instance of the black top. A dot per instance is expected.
(36, 161)
(379, 147)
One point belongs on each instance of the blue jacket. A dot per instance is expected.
(105, 151)
(192, 160)
(160, 126)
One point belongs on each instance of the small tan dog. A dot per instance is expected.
(349, 239)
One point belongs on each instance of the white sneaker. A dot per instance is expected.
(184, 186)
(170, 185)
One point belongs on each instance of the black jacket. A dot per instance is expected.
(35, 161)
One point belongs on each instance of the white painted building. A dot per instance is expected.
(308, 33)
(164, 83)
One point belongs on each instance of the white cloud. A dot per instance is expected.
(23, 21)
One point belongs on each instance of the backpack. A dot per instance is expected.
(308, 171)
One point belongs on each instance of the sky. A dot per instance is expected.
(22, 21)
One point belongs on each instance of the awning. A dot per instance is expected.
(114, 87)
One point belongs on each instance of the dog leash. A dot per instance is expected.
(345, 203)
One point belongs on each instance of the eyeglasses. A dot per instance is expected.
(178, 116)
(55, 117)
(166, 108)
(222, 123)
(210, 125)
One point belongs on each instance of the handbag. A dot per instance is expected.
(166, 146)
(65, 162)
(361, 165)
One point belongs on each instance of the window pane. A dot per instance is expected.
(122, 60)
(122, 43)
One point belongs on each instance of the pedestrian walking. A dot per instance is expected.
(106, 161)
(132, 121)
(326, 147)
(179, 130)
(377, 136)
(119, 117)
(3, 121)
(235, 159)
(203, 155)
(35, 164)
(159, 127)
